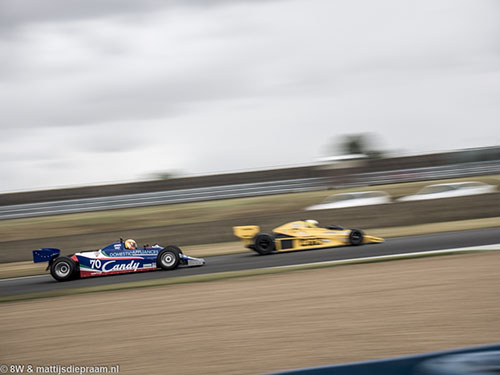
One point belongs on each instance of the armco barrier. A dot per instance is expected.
(158, 198)
(484, 360)
(197, 194)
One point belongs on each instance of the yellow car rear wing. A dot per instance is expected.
(246, 232)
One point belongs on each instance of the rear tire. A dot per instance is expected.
(169, 258)
(356, 237)
(63, 269)
(264, 244)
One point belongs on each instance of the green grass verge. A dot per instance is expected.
(220, 276)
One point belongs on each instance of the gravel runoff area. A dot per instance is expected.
(265, 323)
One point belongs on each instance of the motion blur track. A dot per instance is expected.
(246, 261)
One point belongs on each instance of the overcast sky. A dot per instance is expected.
(100, 91)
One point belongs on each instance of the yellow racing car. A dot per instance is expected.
(300, 235)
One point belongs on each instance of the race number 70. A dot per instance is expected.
(95, 263)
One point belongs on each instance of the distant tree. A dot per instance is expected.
(165, 175)
(358, 144)
(353, 144)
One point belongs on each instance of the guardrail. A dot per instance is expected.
(244, 190)
(158, 198)
(429, 173)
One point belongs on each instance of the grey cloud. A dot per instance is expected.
(111, 139)
(16, 13)
(182, 79)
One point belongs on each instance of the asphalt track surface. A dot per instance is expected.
(245, 261)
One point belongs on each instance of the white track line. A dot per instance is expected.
(23, 277)
(398, 256)
(352, 260)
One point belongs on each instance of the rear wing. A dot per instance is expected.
(45, 255)
(246, 232)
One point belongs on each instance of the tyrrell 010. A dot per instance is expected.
(118, 257)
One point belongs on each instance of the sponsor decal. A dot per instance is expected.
(311, 242)
(110, 266)
(131, 253)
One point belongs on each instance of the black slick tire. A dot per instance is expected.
(356, 237)
(169, 258)
(63, 269)
(264, 244)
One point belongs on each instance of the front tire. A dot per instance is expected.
(356, 237)
(63, 269)
(264, 244)
(169, 258)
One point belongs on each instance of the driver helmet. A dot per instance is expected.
(312, 223)
(130, 244)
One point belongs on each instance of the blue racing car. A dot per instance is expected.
(118, 257)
